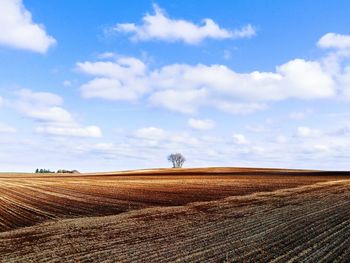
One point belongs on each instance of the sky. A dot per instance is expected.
(115, 85)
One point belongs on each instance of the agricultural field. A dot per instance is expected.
(176, 215)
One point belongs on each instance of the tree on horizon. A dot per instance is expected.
(177, 159)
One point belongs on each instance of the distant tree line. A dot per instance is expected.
(61, 171)
(42, 171)
(67, 171)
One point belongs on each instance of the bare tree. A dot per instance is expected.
(177, 159)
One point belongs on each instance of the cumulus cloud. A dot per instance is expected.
(45, 108)
(17, 30)
(335, 41)
(306, 79)
(186, 88)
(125, 66)
(336, 61)
(160, 27)
(120, 80)
(290, 80)
(51, 114)
(201, 124)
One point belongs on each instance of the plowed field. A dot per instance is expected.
(188, 215)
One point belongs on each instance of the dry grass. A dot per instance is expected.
(217, 214)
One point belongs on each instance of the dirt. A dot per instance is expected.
(203, 215)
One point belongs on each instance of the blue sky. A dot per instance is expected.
(119, 85)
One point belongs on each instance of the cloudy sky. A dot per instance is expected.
(120, 85)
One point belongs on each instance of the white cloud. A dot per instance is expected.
(344, 83)
(71, 130)
(186, 88)
(300, 115)
(156, 143)
(185, 101)
(124, 67)
(338, 51)
(149, 147)
(41, 106)
(153, 136)
(120, 80)
(67, 83)
(257, 150)
(17, 30)
(109, 89)
(161, 27)
(306, 80)
(321, 147)
(295, 79)
(106, 55)
(150, 133)
(45, 108)
(5, 128)
(281, 139)
(257, 128)
(306, 132)
(50, 114)
(244, 32)
(38, 98)
(239, 108)
(239, 139)
(201, 124)
(333, 40)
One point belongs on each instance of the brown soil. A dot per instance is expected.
(167, 215)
